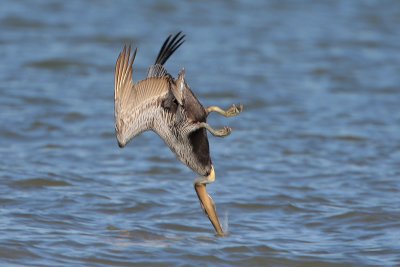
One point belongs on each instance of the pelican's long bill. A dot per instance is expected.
(208, 206)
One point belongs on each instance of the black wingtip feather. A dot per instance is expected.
(169, 47)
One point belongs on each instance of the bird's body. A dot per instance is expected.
(168, 107)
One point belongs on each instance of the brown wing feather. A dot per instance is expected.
(134, 103)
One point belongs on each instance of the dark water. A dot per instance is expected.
(309, 177)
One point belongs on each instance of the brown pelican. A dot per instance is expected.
(168, 107)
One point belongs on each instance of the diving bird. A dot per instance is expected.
(167, 106)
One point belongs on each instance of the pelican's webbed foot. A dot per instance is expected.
(230, 112)
(216, 132)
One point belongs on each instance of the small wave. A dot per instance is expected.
(22, 23)
(56, 64)
(74, 117)
(39, 182)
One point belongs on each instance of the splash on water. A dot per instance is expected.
(225, 222)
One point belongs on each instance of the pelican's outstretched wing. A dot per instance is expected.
(135, 104)
(167, 49)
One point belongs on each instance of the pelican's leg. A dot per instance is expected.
(216, 132)
(206, 201)
(230, 112)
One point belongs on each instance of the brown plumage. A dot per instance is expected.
(168, 107)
